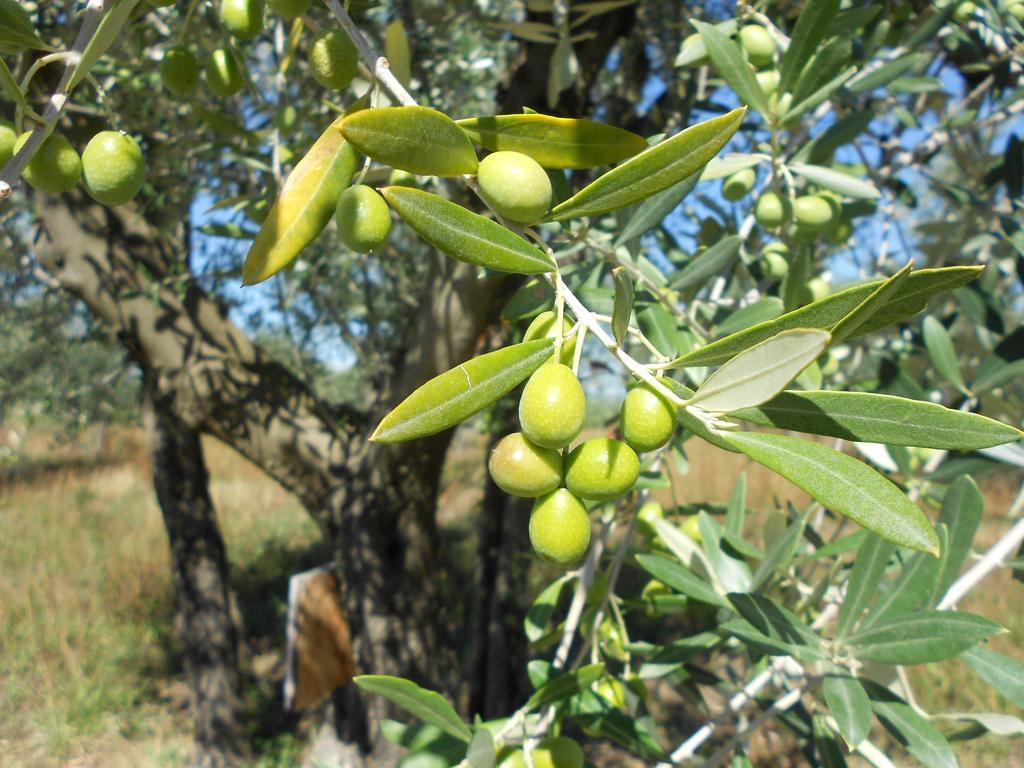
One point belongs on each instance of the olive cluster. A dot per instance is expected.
(112, 165)
(537, 462)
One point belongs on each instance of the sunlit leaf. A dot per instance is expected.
(708, 264)
(16, 30)
(108, 32)
(836, 181)
(564, 686)
(623, 307)
(428, 706)
(396, 48)
(921, 637)
(727, 56)
(811, 27)
(415, 139)
(850, 706)
(941, 351)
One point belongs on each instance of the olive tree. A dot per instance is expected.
(840, 134)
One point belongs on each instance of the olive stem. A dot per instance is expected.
(9, 174)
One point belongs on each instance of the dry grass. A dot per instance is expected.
(88, 673)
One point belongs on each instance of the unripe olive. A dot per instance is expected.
(179, 70)
(776, 266)
(690, 40)
(333, 59)
(781, 103)
(840, 231)
(286, 118)
(7, 138)
(553, 406)
(646, 516)
(543, 326)
(560, 528)
(611, 690)
(55, 167)
(515, 186)
(758, 43)
(964, 11)
(654, 589)
(223, 74)
(242, 18)
(1017, 11)
(691, 528)
(289, 8)
(363, 219)
(557, 752)
(772, 210)
(521, 468)
(710, 231)
(813, 213)
(646, 418)
(818, 288)
(113, 168)
(400, 178)
(601, 469)
(736, 187)
(769, 81)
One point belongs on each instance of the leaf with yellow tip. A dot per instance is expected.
(455, 395)
(303, 207)
(414, 139)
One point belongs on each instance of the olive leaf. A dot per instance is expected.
(941, 351)
(921, 637)
(108, 32)
(455, 395)
(653, 170)
(428, 706)
(10, 86)
(843, 484)
(811, 27)
(304, 205)
(850, 706)
(16, 30)
(709, 263)
(415, 139)
(836, 181)
(848, 326)
(554, 142)
(464, 235)
(623, 306)
(761, 372)
(396, 48)
(727, 56)
(919, 287)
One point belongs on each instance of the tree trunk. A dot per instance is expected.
(203, 621)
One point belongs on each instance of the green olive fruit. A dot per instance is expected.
(521, 468)
(515, 186)
(1017, 11)
(113, 168)
(840, 231)
(711, 231)
(55, 167)
(286, 118)
(691, 528)
(242, 18)
(557, 752)
(646, 516)
(690, 40)
(776, 246)
(179, 70)
(780, 103)
(813, 213)
(7, 138)
(964, 11)
(611, 640)
(543, 326)
(769, 80)
(553, 406)
(611, 690)
(400, 178)
(830, 365)
(601, 469)
(333, 59)
(289, 8)
(758, 43)
(646, 418)
(737, 186)
(773, 210)
(775, 265)
(654, 589)
(560, 528)
(363, 219)
(224, 76)
(818, 288)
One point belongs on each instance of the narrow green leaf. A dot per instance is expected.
(773, 646)
(9, 86)
(921, 637)
(816, 97)
(694, 50)
(826, 745)
(941, 351)
(836, 181)
(998, 376)
(870, 418)
(922, 739)
(564, 686)
(653, 170)
(428, 706)
(652, 211)
(731, 163)
(912, 588)
(886, 73)
(842, 484)
(872, 559)
(708, 264)
(727, 56)
(850, 706)
(1003, 673)
(761, 311)
(465, 235)
(993, 722)
(455, 395)
(108, 32)
(680, 578)
(598, 716)
(538, 618)
(535, 296)
(758, 374)
(881, 296)
(919, 288)
(731, 572)
(554, 142)
(962, 507)
(781, 551)
(811, 27)
(415, 139)
(303, 207)
(16, 30)
(481, 752)
(845, 130)
(773, 620)
(623, 307)
(658, 326)
(827, 62)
